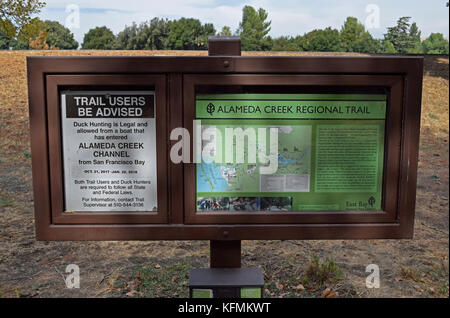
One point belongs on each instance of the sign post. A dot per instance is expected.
(225, 254)
(220, 281)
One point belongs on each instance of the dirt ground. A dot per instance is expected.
(408, 268)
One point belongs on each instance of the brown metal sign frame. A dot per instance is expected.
(174, 79)
(392, 160)
(156, 82)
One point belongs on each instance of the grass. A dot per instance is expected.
(287, 278)
(322, 273)
(410, 273)
(433, 116)
(438, 278)
(431, 279)
(159, 281)
(282, 279)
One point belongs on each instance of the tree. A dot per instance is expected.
(367, 44)
(286, 43)
(351, 32)
(189, 34)
(403, 36)
(414, 35)
(327, 40)
(14, 14)
(29, 32)
(59, 36)
(7, 42)
(355, 38)
(155, 35)
(40, 42)
(4, 41)
(435, 44)
(127, 38)
(253, 30)
(226, 31)
(208, 30)
(151, 35)
(388, 47)
(414, 32)
(99, 38)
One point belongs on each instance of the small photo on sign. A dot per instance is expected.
(276, 204)
(243, 204)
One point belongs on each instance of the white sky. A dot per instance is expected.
(289, 17)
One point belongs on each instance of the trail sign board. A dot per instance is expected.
(104, 131)
(330, 152)
(109, 151)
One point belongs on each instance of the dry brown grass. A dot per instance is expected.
(435, 101)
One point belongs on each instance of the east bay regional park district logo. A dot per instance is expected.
(210, 108)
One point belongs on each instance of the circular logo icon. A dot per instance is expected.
(210, 108)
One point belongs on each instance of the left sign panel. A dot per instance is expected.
(109, 150)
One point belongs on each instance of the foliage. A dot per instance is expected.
(351, 32)
(226, 31)
(127, 39)
(151, 35)
(18, 30)
(156, 34)
(286, 43)
(38, 34)
(31, 30)
(325, 272)
(162, 34)
(367, 44)
(5, 41)
(40, 42)
(253, 30)
(414, 35)
(15, 44)
(327, 40)
(355, 38)
(189, 34)
(388, 47)
(59, 36)
(99, 38)
(404, 36)
(435, 44)
(14, 14)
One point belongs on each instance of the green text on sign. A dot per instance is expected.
(291, 106)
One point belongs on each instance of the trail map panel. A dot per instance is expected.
(330, 152)
(109, 150)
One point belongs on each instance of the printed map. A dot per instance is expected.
(294, 160)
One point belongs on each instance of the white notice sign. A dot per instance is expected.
(109, 150)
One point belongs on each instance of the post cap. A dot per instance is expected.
(224, 46)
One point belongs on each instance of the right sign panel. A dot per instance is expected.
(290, 152)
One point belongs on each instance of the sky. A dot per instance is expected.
(289, 17)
